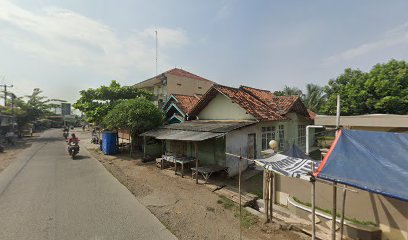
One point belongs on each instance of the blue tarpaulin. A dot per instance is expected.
(372, 161)
(295, 152)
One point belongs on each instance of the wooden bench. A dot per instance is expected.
(207, 171)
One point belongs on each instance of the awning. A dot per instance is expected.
(180, 135)
(373, 161)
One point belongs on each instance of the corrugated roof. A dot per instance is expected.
(197, 130)
(181, 135)
(209, 126)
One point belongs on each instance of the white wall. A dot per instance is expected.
(222, 108)
(237, 141)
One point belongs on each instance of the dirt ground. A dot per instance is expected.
(188, 210)
(11, 151)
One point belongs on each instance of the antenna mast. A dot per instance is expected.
(157, 46)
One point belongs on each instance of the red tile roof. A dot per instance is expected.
(312, 114)
(261, 104)
(176, 72)
(183, 73)
(185, 102)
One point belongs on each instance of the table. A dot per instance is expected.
(206, 171)
(175, 160)
(182, 161)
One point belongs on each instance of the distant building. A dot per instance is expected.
(6, 120)
(174, 81)
(65, 109)
(369, 122)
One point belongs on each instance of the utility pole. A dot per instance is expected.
(5, 92)
(13, 97)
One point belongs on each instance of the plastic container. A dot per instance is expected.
(109, 140)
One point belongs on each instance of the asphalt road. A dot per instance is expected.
(46, 195)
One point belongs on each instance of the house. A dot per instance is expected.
(236, 120)
(6, 122)
(177, 108)
(280, 118)
(174, 81)
(369, 122)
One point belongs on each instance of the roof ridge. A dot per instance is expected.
(264, 90)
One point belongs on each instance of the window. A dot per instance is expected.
(281, 134)
(268, 134)
(301, 135)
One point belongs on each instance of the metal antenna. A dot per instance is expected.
(157, 50)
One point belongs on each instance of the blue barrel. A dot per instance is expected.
(109, 146)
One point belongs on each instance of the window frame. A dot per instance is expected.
(268, 133)
(281, 135)
(301, 135)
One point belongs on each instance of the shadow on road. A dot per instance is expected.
(80, 157)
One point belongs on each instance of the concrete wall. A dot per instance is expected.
(390, 214)
(186, 86)
(379, 129)
(236, 142)
(222, 108)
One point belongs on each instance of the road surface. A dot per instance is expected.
(46, 195)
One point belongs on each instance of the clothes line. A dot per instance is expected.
(284, 165)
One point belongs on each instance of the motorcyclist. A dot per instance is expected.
(66, 132)
(72, 142)
(73, 139)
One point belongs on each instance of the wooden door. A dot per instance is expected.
(251, 150)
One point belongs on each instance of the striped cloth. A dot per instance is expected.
(288, 166)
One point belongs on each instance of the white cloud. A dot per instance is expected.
(393, 37)
(66, 37)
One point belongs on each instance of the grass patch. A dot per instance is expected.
(247, 219)
(329, 212)
(258, 193)
(226, 202)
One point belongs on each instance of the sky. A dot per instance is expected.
(63, 47)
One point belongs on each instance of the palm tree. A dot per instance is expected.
(289, 91)
(314, 97)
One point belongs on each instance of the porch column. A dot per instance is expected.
(196, 157)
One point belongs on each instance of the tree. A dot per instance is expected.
(289, 91)
(33, 109)
(382, 90)
(387, 85)
(96, 103)
(314, 97)
(137, 115)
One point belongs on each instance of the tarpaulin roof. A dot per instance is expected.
(296, 152)
(288, 166)
(372, 161)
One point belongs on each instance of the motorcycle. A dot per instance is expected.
(65, 134)
(73, 149)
